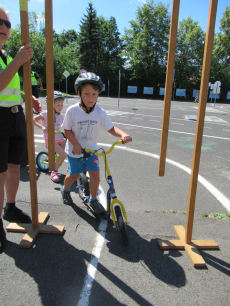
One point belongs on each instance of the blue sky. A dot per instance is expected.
(68, 13)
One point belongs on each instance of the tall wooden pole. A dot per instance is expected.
(168, 85)
(50, 81)
(200, 118)
(29, 115)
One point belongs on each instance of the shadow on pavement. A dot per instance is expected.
(25, 176)
(153, 260)
(217, 263)
(59, 271)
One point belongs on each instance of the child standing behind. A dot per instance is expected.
(59, 138)
(82, 125)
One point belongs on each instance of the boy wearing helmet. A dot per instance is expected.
(59, 138)
(81, 126)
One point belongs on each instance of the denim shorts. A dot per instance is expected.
(79, 165)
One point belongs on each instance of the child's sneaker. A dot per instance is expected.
(55, 177)
(66, 197)
(97, 207)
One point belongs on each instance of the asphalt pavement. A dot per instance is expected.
(88, 265)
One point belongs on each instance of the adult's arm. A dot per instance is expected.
(40, 82)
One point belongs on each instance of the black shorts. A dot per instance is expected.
(35, 91)
(13, 137)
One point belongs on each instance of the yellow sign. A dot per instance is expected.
(23, 5)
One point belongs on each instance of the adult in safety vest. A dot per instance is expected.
(13, 141)
(35, 80)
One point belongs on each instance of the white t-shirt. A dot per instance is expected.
(85, 127)
(57, 125)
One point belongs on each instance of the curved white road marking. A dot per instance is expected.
(100, 237)
(212, 189)
(151, 128)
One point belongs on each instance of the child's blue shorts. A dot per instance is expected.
(79, 165)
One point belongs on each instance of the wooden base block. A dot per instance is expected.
(191, 249)
(31, 233)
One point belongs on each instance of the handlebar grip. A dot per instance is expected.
(123, 141)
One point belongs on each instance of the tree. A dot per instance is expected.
(66, 37)
(146, 43)
(220, 70)
(189, 54)
(88, 40)
(110, 47)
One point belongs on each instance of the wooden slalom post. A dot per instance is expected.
(50, 81)
(168, 85)
(185, 235)
(37, 226)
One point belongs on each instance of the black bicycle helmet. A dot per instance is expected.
(57, 95)
(88, 77)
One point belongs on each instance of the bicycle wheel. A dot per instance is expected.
(42, 161)
(121, 225)
(84, 182)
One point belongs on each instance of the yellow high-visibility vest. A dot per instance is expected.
(34, 82)
(11, 95)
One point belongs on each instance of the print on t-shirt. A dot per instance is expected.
(86, 129)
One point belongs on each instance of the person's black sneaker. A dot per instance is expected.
(97, 207)
(66, 197)
(2, 237)
(16, 215)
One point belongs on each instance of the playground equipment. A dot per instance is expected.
(37, 226)
(185, 235)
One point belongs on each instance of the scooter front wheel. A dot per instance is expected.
(83, 183)
(42, 161)
(121, 224)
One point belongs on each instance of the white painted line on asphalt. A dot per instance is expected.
(100, 237)
(212, 189)
(206, 127)
(96, 252)
(138, 118)
(38, 135)
(155, 120)
(226, 130)
(150, 128)
(39, 140)
(176, 123)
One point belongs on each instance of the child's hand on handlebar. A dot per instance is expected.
(126, 138)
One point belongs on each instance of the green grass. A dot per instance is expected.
(173, 212)
(216, 215)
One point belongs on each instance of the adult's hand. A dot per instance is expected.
(37, 104)
(25, 53)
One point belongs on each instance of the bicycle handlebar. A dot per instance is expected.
(86, 154)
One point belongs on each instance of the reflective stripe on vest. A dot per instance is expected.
(11, 95)
(34, 82)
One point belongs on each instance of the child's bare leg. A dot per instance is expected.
(60, 149)
(94, 183)
(69, 180)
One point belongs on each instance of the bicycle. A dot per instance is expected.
(42, 159)
(114, 206)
